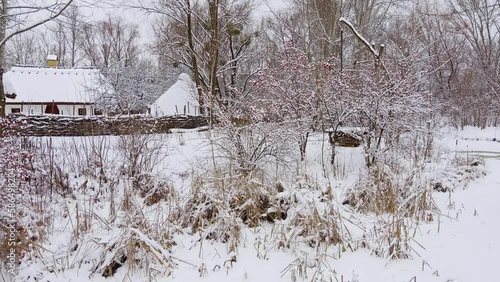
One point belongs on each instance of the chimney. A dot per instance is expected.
(52, 61)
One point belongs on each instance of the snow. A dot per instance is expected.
(475, 141)
(178, 99)
(33, 84)
(8, 86)
(467, 246)
(461, 244)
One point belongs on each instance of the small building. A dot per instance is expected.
(180, 99)
(49, 90)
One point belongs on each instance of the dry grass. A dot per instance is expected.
(223, 204)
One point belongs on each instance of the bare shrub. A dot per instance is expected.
(24, 216)
(226, 204)
(142, 234)
(459, 173)
(391, 237)
(400, 194)
(383, 191)
(314, 217)
(141, 157)
(133, 247)
(374, 193)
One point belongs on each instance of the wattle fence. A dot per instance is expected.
(48, 125)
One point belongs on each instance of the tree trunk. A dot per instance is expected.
(303, 145)
(3, 26)
(194, 60)
(332, 160)
(2, 92)
(214, 46)
(213, 53)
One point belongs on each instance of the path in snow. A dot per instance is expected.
(461, 246)
(469, 249)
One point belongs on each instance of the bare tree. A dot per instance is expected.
(319, 31)
(289, 91)
(65, 37)
(73, 39)
(133, 87)
(58, 44)
(478, 22)
(15, 20)
(113, 46)
(23, 49)
(210, 38)
(111, 41)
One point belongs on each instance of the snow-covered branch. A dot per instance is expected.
(363, 40)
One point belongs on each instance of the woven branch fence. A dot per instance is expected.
(44, 125)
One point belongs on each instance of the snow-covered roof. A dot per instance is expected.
(8, 87)
(178, 99)
(32, 84)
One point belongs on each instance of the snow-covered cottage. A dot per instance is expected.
(180, 99)
(40, 90)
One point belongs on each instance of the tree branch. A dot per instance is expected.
(363, 40)
(30, 27)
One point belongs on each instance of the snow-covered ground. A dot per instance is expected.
(460, 244)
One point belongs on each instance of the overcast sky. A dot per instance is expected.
(100, 9)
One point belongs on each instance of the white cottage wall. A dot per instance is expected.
(66, 110)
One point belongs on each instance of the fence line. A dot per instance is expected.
(46, 125)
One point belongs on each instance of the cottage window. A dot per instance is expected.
(97, 112)
(82, 111)
(15, 110)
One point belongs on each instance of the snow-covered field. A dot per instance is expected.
(459, 244)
